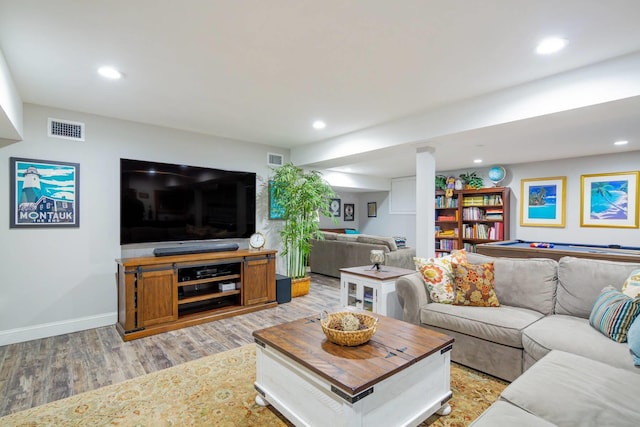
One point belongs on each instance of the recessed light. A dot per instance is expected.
(477, 161)
(551, 45)
(319, 124)
(622, 142)
(109, 73)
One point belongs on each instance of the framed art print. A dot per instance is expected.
(44, 193)
(349, 210)
(609, 200)
(543, 201)
(334, 207)
(372, 209)
(275, 210)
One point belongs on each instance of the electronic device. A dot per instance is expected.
(163, 202)
(196, 249)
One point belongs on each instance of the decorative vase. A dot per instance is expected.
(300, 286)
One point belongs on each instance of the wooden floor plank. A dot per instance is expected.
(41, 371)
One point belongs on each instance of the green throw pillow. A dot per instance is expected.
(613, 313)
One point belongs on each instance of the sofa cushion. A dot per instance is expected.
(502, 325)
(347, 238)
(523, 282)
(378, 240)
(570, 390)
(474, 285)
(574, 335)
(631, 286)
(504, 414)
(438, 276)
(329, 235)
(633, 338)
(580, 281)
(613, 313)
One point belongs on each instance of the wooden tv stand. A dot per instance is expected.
(160, 294)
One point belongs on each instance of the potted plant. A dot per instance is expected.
(472, 180)
(301, 196)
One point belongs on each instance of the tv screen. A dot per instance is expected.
(162, 202)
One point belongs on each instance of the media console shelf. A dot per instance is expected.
(160, 294)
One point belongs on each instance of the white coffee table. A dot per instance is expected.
(399, 378)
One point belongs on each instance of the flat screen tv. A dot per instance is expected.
(162, 202)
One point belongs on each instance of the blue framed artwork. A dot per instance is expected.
(543, 201)
(44, 193)
(275, 210)
(609, 200)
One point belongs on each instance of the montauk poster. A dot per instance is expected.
(44, 193)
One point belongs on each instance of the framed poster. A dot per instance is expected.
(44, 193)
(543, 201)
(609, 200)
(372, 209)
(334, 207)
(275, 210)
(349, 210)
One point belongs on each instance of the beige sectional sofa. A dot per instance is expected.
(542, 327)
(338, 251)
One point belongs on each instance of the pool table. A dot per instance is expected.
(523, 249)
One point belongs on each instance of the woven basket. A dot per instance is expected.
(300, 287)
(348, 338)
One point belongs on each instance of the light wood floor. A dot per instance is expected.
(40, 371)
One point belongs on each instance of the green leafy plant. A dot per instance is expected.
(302, 196)
(441, 182)
(472, 180)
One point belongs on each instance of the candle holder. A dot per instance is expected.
(377, 258)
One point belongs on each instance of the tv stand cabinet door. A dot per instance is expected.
(157, 300)
(259, 280)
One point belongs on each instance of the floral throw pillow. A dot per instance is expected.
(631, 286)
(474, 285)
(437, 275)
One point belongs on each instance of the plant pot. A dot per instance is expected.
(300, 286)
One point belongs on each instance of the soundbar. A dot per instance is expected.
(195, 249)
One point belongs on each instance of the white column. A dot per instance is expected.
(425, 202)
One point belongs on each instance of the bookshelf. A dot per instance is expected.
(471, 217)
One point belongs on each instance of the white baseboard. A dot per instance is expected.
(45, 330)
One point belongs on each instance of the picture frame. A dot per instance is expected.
(334, 207)
(609, 200)
(543, 202)
(349, 211)
(275, 210)
(44, 193)
(372, 209)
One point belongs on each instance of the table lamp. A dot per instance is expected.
(377, 258)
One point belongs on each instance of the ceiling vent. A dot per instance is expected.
(275, 159)
(66, 129)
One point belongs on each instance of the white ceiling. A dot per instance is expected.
(263, 71)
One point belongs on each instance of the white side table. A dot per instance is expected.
(373, 290)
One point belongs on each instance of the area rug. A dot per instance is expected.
(215, 391)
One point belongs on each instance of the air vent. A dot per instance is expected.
(275, 159)
(65, 129)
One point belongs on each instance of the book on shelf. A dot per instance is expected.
(443, 202)
(482, 200)
(447, 234)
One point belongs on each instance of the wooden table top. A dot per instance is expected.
(386, 272)
(395, 346)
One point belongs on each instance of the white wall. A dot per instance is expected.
(345, 197)
(63, 280)
(572, 169)
(386, 223)
(10, 106)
